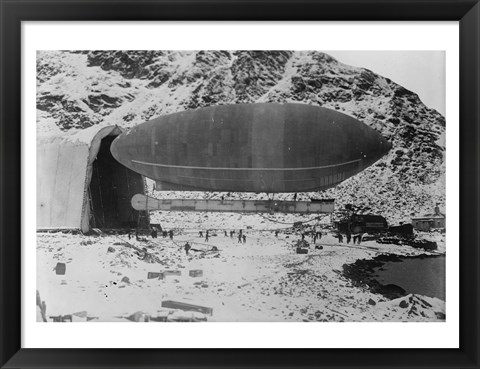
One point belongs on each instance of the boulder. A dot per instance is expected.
(138, 316)
(440, 315)
(392, 291)
(126, 280)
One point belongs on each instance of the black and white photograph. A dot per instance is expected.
(240, 186)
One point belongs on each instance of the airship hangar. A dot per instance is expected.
(261, 147)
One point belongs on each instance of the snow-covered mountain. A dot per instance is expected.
(78, 89)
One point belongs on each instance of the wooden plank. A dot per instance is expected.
(187, 307)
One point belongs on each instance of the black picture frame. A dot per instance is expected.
(467, 12)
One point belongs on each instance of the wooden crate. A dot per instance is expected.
(195, 273)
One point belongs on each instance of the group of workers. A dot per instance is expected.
(242, 238)
(153, 233)
(207, 235)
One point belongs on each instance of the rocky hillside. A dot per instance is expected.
(76, 90)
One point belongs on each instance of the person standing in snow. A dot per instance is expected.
(154, 232)
(340, 237)
(244, 238)
(187, 248)
(206, 236)
(170, 233)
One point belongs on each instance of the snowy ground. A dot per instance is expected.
(261, 280)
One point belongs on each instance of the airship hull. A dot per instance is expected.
(251, 148)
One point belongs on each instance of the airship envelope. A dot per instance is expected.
(263, 147)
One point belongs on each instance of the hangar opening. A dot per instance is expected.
(81, 186)
(111, 189)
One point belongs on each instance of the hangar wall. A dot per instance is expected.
(61, 175)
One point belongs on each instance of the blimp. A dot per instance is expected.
(258, 147)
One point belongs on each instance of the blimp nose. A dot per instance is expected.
(116, 150)
(377, 147)
(385, 146)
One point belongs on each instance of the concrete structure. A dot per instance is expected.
(80, 185)
(250, 148)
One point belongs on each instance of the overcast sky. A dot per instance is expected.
(422, 72)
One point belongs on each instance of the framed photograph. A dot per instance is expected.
(288, 180)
